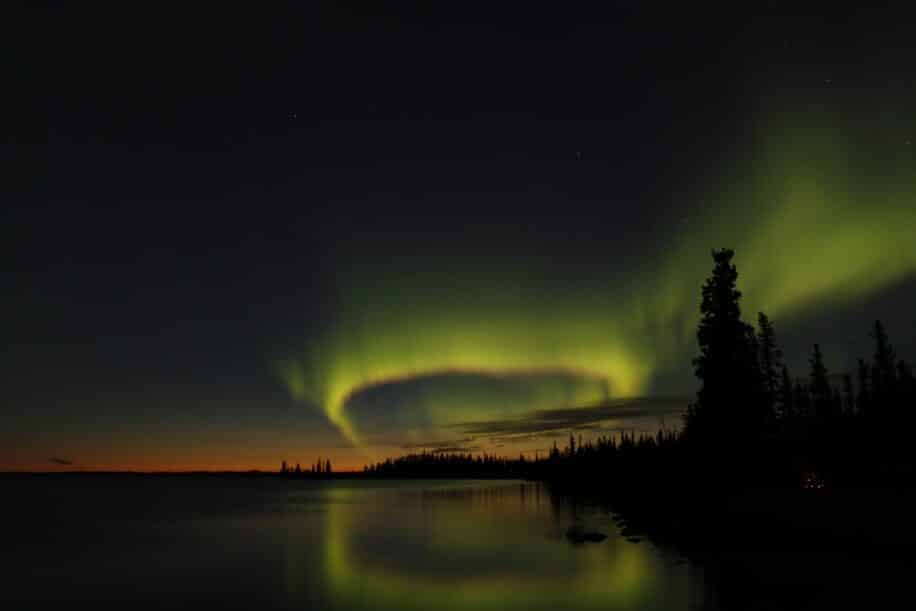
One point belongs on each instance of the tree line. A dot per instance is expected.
(449, 465)
(317, 469)
(851, 428)
(746, 388)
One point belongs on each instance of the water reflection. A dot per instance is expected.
(189, 542)
(476, 545)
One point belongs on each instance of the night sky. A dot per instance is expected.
(340, 230)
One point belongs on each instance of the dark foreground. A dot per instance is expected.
(777, 548)
(268, 542)
(126, 542)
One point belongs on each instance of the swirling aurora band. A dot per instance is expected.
(824, 213)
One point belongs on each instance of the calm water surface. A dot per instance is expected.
(178, 542)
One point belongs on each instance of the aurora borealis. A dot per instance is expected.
(802, 189)
(349, 233)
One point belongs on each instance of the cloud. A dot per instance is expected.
(437, 444)
(451, 446)
(605, 417)
(455, 449)
(61, 461)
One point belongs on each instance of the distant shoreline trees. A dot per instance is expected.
(318, 469)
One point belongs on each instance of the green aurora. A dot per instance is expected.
(821, 212)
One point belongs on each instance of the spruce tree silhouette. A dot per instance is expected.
(770, 360)
(820, 385)
(786, 401)
(730, 403)
(884, 371)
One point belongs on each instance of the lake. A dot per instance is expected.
(261, 542)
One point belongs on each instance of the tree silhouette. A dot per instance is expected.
(820, 385)
(770, 359)
(730, 400)
(785, 394)
(884, 372)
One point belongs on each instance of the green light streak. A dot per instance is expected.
(824, 213)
